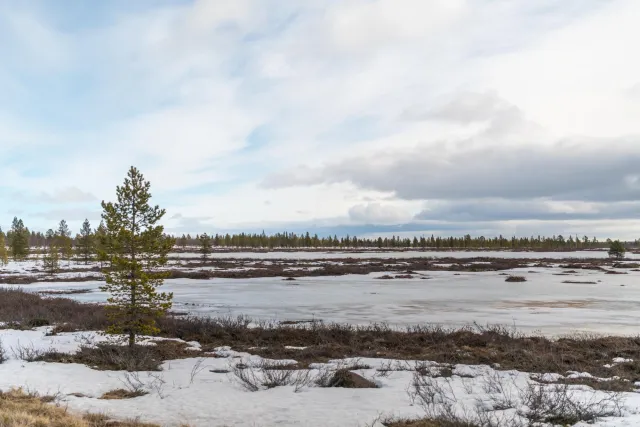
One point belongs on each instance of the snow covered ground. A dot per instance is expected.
(610, 303)
(187, 391)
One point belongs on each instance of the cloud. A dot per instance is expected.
(185, 224)
(507, 156)
(589, 170)
(70, 215)
(527, 210)
(376, 213)
(67, 195)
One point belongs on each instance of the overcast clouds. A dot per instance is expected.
(367, 116)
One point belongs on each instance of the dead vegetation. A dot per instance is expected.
(66, 292)
(516, 279)
(507, 402)
(116, 357)
(21, 309)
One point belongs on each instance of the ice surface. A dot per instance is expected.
(543, 303)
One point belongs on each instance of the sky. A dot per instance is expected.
(367, 117)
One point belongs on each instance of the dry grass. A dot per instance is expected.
(20, 409)
(516, 279)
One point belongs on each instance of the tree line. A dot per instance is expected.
(293, 240)
(54, 245)
(90, 244)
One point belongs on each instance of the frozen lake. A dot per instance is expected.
(405, 254)
(611, 304)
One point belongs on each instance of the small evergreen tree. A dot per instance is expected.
(101, 244)
(205, 246)
(85, 242)
(64, 241)
(19, 240)
(183, 242)
(616, 249)
(136, 247)
(63, 229)
(51, 259)
(49, 236)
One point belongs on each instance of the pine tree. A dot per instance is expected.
(51, 260)
(183, 242)
(4, 254)
(19, 240)
(616, 249)
(205, 246)
(63, 229)
(136, 247)
(85, 242)
(101, 244)
(64, 239)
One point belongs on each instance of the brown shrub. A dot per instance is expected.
(32, 310)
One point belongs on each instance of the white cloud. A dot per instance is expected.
(376, 213)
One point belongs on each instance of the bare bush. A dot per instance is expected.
(536, 403)
(323, 376)
(503, 396)
(435, 396)
(29, 352)
(275, 374)
(134, 384)
(246, 376)
(271, 374)
(156, 383)
(196, 369)
(385, 369)
(562, 404)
